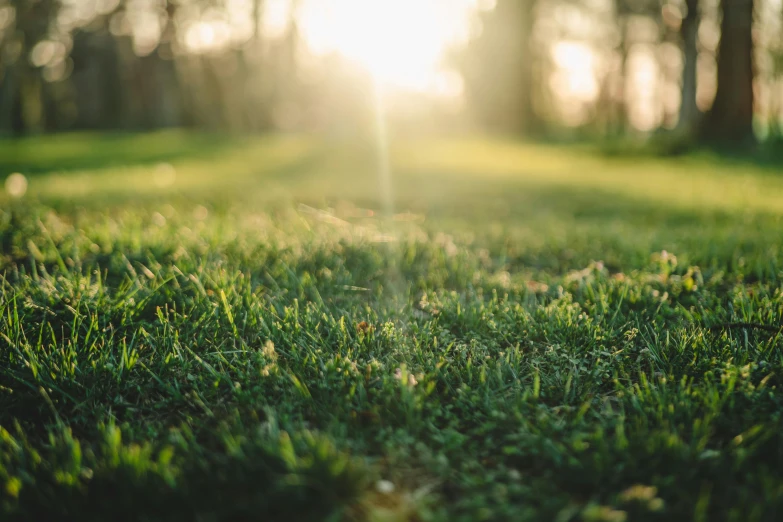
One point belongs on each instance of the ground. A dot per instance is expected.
(206, 328)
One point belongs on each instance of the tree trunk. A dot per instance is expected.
(258, 22)
(730, 120)
(253, 73)
(689, 32)
(169, 111)
(619, 117)
(32, 104)
(530, 123)
(9, 99)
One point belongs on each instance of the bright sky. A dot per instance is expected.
(575, 76)
(401, 42)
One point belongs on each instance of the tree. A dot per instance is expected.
(730, 120)
(499, 68)
(529, 120)
(689, 34)
(21, 86)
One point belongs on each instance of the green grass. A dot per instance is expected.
(537, 333)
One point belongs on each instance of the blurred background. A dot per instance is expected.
(688, 71)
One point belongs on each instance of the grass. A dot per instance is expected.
(240, 333)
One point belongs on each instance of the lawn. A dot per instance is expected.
(204, 328)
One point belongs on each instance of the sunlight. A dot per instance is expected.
(209, 34)
(401, 42)
(575, 77)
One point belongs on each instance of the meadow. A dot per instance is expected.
(196, 327)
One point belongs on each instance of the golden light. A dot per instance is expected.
(573, 80)
(16, 185)
(575, 75)
(401, 42)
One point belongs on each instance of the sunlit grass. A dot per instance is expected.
(72, 166)
(231, 329)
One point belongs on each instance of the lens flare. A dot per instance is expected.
(16, 185)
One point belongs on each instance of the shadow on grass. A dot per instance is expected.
(764, 158)
(469, 196)
(83, 151)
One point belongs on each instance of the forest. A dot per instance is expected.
(701, 71)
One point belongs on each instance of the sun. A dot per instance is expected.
(401, 42)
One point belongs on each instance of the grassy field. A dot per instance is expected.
(203, 328)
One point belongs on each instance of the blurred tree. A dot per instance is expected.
(530, 122)
(689, 33)
(773, 43)
(499, 68)
(618, 102)
(133, 64)
(21, 91)
(254, 61)
(167, 108)
(287, 90)
(730, 120)
(638, 28)
(97, 85)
